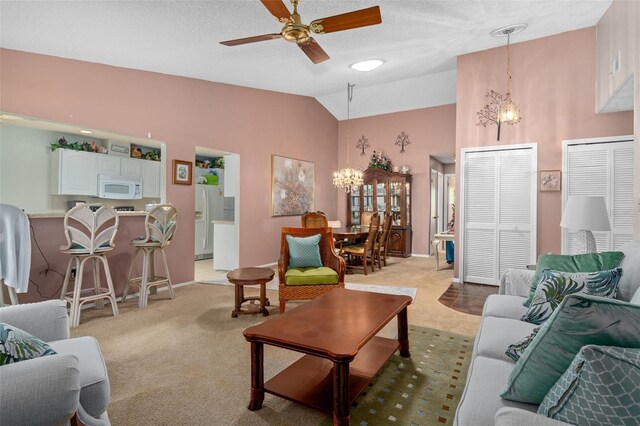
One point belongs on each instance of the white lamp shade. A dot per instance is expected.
(584, 212)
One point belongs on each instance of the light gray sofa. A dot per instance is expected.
(50, 389)
(490, 367)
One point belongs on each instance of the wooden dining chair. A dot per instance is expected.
(365, 219)
(366, 251)
(383, 240)
(314, 220)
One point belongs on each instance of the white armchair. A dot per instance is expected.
(50, 389)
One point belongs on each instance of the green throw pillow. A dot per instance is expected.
(579, 320)
(304, 252)
(17, 345)
(600, 387)
(590, 262)
(555, 286)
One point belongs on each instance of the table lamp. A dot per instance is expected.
(585, 214)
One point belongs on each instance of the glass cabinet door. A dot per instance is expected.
(381, 198)
(367, 191)
(395, 201)
(408, 193)
(355, 207)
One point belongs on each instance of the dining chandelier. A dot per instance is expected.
(348, 178)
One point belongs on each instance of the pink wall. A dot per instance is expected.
(430, 130)
(185, 113)
(553, 81)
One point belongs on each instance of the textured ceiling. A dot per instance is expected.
(419, 40)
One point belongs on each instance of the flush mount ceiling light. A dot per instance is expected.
(368, 65)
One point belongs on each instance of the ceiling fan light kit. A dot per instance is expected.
(295, 31)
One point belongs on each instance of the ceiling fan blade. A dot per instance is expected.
(347, 21)
(313, 50)
(251, 39)
(277, 9)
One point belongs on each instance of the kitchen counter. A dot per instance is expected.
(50, 215)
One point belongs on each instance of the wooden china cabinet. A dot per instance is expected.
(382, 192)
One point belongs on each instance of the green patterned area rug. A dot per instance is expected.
(422, 390)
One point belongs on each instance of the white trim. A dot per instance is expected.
(456, 280)
(267, 265)
(420, 255)
(534, 200)
(565, 147)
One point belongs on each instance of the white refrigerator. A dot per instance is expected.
(209, 206)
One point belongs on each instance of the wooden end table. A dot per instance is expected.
(337, 333)
(250, 276)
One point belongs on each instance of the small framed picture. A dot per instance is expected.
(182, 171)
(550, 180)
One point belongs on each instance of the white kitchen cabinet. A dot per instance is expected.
(131, 168)
(108, 165)
(74, 173)
(151, 179)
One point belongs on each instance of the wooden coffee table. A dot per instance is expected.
(337, 332)
(250, 276)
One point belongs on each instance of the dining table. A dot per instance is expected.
(350, 232)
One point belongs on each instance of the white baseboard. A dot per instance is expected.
(456, 280)
(420, 255)
(268, 265)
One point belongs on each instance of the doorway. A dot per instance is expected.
(216, 182)
(441, 196)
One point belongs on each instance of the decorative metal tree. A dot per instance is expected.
(402, 140)
(363, 144)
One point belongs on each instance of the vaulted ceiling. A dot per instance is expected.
(418, 40)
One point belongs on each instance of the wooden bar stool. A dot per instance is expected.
(89, 236)
(160, 226)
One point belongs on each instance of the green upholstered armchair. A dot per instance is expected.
(304, 283)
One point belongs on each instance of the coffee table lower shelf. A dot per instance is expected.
(309, 380)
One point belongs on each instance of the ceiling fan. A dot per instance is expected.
(295, 31)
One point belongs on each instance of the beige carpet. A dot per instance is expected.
(186, 362)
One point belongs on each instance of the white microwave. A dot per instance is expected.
(119, 188)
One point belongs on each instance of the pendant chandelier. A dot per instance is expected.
(508, 110)
(347, 178)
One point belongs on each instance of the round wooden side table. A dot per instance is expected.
(250, 276)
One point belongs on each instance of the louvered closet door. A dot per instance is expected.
(480, 175)
(603, 169)
(515, 199)
(499, 213)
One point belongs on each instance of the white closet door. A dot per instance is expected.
(621, 207)
(606, 170)
(480, 217)
(499, 213)
(515, 199)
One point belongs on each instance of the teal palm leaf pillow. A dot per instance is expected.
(17, 345)
(554, 286)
